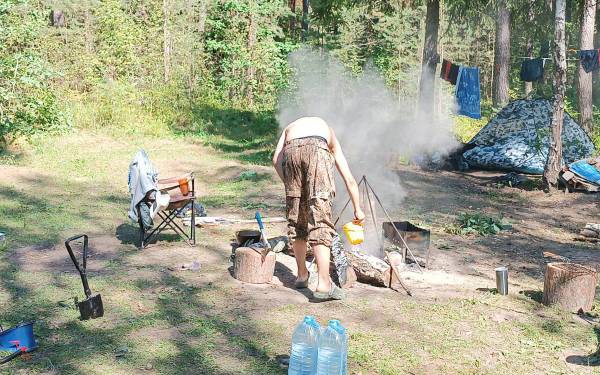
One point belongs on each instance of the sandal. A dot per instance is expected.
(334, 293)
(301, 284)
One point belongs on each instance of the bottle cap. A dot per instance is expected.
(337, 326)
(311, 321)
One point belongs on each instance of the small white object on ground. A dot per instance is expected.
(194, 266)
(2, 237)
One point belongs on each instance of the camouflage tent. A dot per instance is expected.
(517, 139)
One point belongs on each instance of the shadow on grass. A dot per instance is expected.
(587, 360)
(31, 219)
(129, 234)
(211, 339)
(534, 295)
(8, 157)
(246, 135)
(488, 290)
(207, 325)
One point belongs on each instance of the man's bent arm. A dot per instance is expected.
(277, 155)
(342, 166)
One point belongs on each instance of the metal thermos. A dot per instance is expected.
(502, 280)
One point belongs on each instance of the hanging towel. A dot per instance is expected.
(453, 74)
(449, 72)
(445, 70)
(468, 94)
(590, 59)
(545, 49)
(532, 70)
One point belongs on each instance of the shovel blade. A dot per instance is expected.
(91, 308)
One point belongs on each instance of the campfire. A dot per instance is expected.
(400, 244)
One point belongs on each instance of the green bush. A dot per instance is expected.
(27, 103)
(475, 223)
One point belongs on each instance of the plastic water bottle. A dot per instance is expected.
(333, 346)
(305, 345)
(342, 331)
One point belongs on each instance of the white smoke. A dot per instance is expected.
(374, 126)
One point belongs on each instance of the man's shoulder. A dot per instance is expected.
(314, 120)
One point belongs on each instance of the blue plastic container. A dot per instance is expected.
(305, 344)
(337, 325)
(333, 348)
(23, 334)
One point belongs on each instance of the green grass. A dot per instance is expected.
(77, 183)
(97, 341)
(466, 128)
(182, 323)
(458, 336)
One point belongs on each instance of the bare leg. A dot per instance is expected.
(300, 249)
(322, 255)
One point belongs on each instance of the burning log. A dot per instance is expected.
(370, 269)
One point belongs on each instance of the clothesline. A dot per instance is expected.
(467, 79)
(542, 58)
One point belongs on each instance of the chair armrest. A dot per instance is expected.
(167, 184)
(175, 180)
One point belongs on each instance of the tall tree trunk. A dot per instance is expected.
(166, 42)
(430, 58)
(305, 15)
(584, 81)
(502, 55)
(251, 70)
(553, 164)
(202, 17)
(529, 52)
(596, 75)
(292, 4)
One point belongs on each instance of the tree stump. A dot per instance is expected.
(370, 269)
(571, 286)
(251, 267)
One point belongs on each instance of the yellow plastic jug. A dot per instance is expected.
(354, 232)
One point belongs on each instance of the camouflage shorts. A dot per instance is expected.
(309, 187)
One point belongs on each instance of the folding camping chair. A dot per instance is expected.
(177, 202)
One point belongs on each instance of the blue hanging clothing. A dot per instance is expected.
(532, 70)
(590, 59)
(468, 92)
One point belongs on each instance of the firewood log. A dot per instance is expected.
(370, 269)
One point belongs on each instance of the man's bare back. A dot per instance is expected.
(308, 127)
(317, 127)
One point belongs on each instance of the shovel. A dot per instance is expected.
(91, 307)
(263, 233)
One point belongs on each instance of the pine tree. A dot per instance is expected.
(584, 81)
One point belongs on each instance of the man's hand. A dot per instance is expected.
(359, 216)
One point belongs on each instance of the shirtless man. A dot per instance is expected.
(304, 159)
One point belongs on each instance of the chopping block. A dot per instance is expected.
(255, 266)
